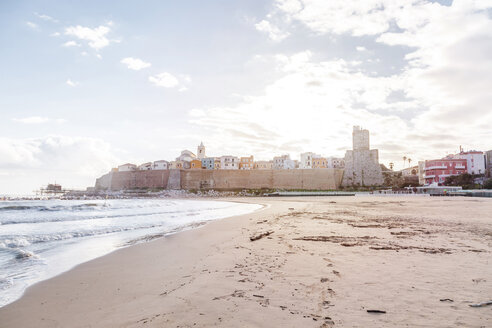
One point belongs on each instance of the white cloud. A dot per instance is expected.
(274, 33)
(295, 113)
(313, 106)
(359, 17)
(71, 44)
(443, 86)
(135, 63)
(32, 25)
(38, 161)
(71, 83)
(167, 80)
(37, 120)
(96, 37)
(46, 17)
(55, 34)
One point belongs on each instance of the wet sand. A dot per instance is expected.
(320, 262)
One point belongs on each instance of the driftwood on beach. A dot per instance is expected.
(260, 235)
(481, 304)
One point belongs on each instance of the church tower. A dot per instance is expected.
(200, 151)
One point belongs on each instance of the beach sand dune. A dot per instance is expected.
(300, 262)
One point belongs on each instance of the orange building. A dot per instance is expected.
(320, 163)
(196, 164)
(247, 163)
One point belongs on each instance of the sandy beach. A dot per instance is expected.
(317, 262)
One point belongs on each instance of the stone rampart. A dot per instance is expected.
(309, 179)
(133, 180)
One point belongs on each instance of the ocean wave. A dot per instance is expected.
(103, 215)
(23, 241)
(6, 283)
(18, 253)
(51, 208)
(17, 208)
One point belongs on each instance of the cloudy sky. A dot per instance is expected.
(89, 85)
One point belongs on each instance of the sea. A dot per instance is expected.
(40, 239)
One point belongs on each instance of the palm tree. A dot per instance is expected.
(409, 161)
(404, 160)
(391, 165)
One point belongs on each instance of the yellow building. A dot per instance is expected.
(247, 163)
(196, 164)
(217, 164)
(320, 163)
(176, 165)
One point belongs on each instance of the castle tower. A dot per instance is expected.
(361, 163)
(200, 153)
(360, 139)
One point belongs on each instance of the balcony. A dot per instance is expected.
(429, 176)
(436, 167)
(460, 167)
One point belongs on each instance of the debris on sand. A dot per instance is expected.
(481, 304)
(335, 239)
(376, 311)
(260, 235)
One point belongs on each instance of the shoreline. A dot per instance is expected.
(216, 276)
(53, 271)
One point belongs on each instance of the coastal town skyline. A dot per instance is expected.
(105, 87)
(247, 163)
(359, 168)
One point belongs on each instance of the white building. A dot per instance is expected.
(145, 166)
(475, 161)
(410, 171)
(186, 156)
(229, 162)
(127, 167)
(289, 164)
(200, 153)
(335, 163)
(161, 165)
(307, 160)
(283, 163)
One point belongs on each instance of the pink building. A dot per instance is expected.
(437, 170)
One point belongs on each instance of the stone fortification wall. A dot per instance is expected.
(134, 179)
(311, 179)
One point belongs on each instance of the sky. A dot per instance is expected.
(88, 85)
